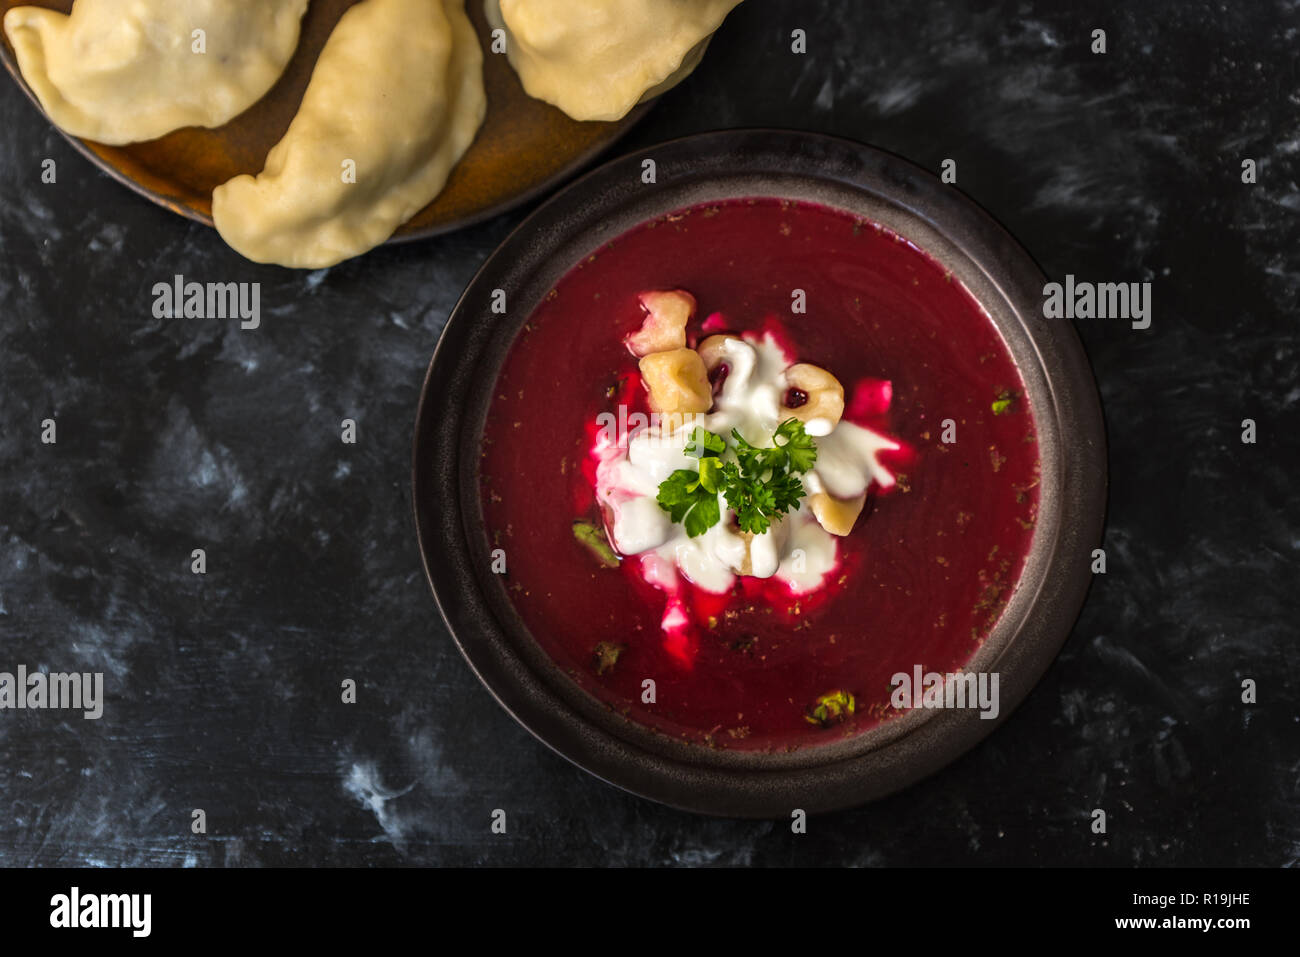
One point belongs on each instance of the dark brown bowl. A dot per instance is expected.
(524, 147)
(596, 209)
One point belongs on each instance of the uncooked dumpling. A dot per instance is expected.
(120, 72)
(596, 59)
(395, 99)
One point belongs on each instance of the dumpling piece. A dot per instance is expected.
(596, 59)
(664, 326)
(676, 381)
(822, 397)
(394, 101)
(118, 72)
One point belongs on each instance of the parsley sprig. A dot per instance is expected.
(760, 485)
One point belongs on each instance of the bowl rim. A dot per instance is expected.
(955, 231)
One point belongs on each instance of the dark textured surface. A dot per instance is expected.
(223, 690)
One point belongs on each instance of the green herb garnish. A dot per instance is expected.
(837, 705)
(596, 542)
(685, 497)
(759, 486)
(605, 656)
(705, 444)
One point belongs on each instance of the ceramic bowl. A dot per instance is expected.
(593, 211)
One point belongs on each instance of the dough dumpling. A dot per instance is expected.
(121, 71)
(596, 59)
(395, 100)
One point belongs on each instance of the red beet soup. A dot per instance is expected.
(927, 569)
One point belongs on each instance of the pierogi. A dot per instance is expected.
(596, 59)
(394, 101)
(118, 72)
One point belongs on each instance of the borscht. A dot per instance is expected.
(750, 460)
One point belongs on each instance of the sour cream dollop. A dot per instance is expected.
(796, 549)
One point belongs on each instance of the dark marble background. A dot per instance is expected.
(223, 690)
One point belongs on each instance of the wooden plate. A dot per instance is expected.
(524, 147)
